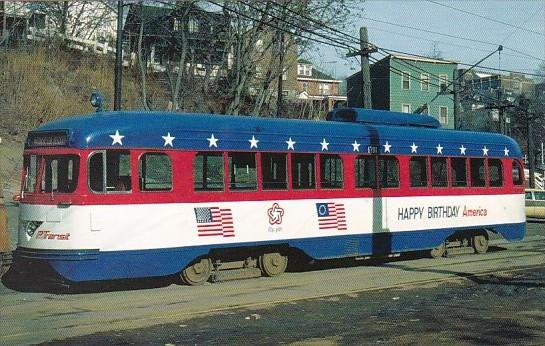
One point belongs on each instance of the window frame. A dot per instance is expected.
(322, 170)
(447, 164)
(379, 177)
(441, 115)
(451, 176)
(140, 183)
(230, 187)
(104, 153)
(403, 75)
(425, 81)
(292, 176)
(373, 159)
(426, 170)
(262, 170)
(409, 106)
(500, 171)
(520, 169)
(224, 165)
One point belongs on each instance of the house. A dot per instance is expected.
(407, 83)
(169, 29)
(81, 25)
(318, 89)
(509, 86)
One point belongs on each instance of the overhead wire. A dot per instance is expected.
(487, 18)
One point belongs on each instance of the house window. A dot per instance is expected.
(324, 89)
(425, 82)
(443, 115)
(304, 86)
(285, 74)
(304, 70)
(443, 81)
(405, 80)
(425, 109)
(193, 25)
(177, 24)
(406, 108)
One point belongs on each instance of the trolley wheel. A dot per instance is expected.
(438, 251)
(272, 264)
(480, 243)
(197, 273)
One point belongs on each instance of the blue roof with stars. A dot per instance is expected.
(166, 130)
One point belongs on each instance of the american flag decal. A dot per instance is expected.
(331, 216)
(214, 221)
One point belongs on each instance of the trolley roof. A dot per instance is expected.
(187, 131)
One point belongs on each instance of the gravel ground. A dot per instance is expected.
(506, 308)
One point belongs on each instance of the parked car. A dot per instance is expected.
(535, 203)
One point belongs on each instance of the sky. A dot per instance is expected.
(523, 51)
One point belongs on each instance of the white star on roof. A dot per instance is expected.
(324, 145)
(387, 147)
(290, 144)
(168, 139)
(506, 151)
(212, 141)
(413, 148)
(462, 150)
(439, 149)
(356, 146)
(117, 138)
(253, 142)
(485, 151)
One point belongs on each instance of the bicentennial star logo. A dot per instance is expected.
(275, 214)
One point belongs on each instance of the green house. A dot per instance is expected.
(406, 83)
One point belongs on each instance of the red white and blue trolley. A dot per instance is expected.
(137, 194)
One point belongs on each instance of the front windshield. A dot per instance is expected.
(55, 173)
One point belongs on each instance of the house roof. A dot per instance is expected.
(421, 59)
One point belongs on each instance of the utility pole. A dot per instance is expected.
(279, 96)
(118, 57)
(365, 50)
(456, 95)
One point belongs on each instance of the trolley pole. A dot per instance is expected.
(365, 50)
(118, 57)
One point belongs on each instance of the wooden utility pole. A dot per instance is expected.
(365, 50)
(118, 57)
(279, 98)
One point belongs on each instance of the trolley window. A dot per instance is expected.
(458, 172)
(418, 171)
(303, 169)
(274, 171)
(155, 172)
(31, 169)
(208, 172)
(478, 178)
(439, 172)
(60, 174)
(331, 171)
(495, 172)
(388, 172)
(242, 171)
(517, 173)
(365, 171)
(110, 171)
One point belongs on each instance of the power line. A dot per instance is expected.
(487, 18)
(504, 70)
(449, 35)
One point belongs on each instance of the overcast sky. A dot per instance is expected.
(518, 44)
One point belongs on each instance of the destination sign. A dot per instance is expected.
(47, 139)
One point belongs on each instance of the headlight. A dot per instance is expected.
(29, 227)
